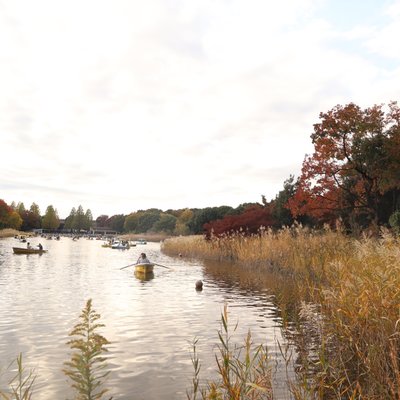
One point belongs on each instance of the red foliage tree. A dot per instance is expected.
(248, 222)
(8, 217)
(354, 165)
(5, 213)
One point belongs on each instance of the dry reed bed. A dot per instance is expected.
(8, 232)
(356, 285)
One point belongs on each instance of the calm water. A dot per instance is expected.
(151, 324)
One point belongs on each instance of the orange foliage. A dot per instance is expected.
(355, 162)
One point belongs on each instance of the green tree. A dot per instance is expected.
(88, 219)
(79, 219)
(394, 221)
(21, 208)
(69, 221)
(50, 219)
(116, 222)
(147, 219)
(280, 211)
(166, 223)
(131, 222)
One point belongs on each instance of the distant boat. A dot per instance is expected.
(145, 268)
(120, 245)
(141, 241)
(25, 250)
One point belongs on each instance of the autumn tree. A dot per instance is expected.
(101, 221)
(354, 170)
(248, 222)
(182, 222)
(205, 215)
(50, 219)
(31, 218)
(9, 218)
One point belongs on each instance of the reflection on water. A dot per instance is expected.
(151, 321)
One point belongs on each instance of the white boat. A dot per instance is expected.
(120, 245)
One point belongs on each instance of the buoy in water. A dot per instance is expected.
(199, 285)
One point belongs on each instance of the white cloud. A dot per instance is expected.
(125, 104)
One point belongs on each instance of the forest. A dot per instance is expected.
(352, 176)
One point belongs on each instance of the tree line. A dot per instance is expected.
(353, 176)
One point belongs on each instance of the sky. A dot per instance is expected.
(122, 105)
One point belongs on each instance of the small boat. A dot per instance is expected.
(25, 250)
(144, 276)
(145, 268)
(120, 245)
(141, 241)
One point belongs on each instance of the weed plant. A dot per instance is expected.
(87, 365)
(244, 371)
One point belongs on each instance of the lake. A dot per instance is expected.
(151, 324)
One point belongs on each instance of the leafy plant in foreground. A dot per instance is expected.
(87, 366)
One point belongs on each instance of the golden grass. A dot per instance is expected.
(292, 250)
(355, 285)
(8, 232)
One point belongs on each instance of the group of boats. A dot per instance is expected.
(123, 244)
(142, 270)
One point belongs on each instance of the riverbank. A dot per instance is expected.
(8, 232)
(349, 335)
(150, 237)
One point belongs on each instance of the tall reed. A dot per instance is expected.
(21, 384)
(290, 250)
(352, 316)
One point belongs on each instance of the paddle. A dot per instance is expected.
(130, 265)
(160, 265)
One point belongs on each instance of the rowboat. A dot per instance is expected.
(25, 250)
(143, 276)
(144, 268)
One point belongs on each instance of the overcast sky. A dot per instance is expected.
(120, 105)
